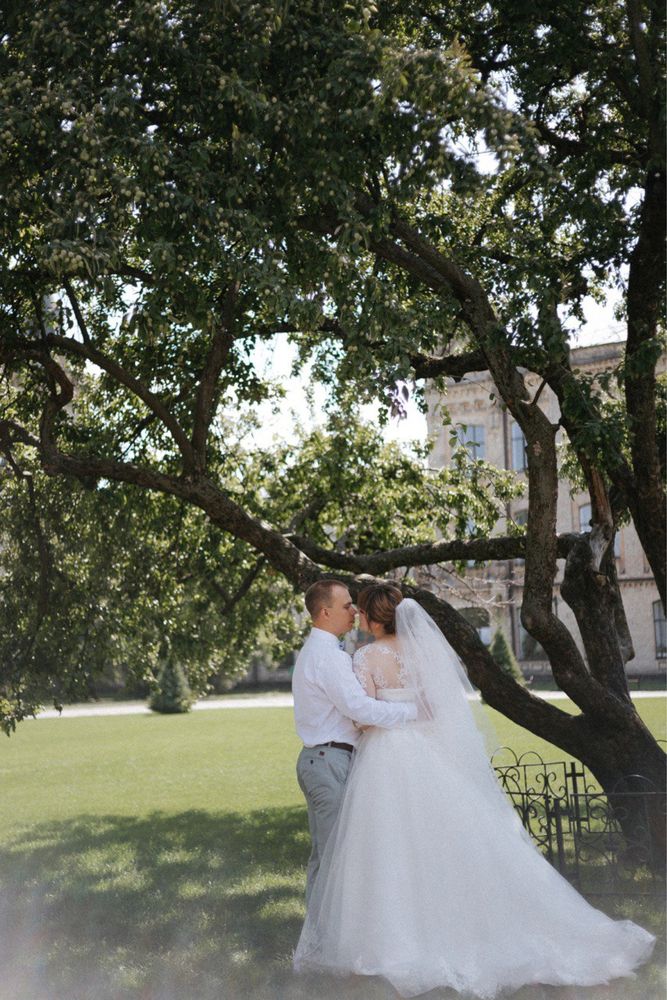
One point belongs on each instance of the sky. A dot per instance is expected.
(276, 361)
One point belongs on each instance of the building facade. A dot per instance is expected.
(491, 596)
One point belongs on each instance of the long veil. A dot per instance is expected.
(449, 708)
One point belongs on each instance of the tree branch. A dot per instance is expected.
(566, 146)
(11, 431)
(541, 546)
(430, 553)
(590, 588)
(427, 264)
(410, 262)
(425, 366)
(642, 56)
(312, 509)
(45, 562)
(464, 286)
(153, 402)
(453, 365)
(537, 615)
(231, 600)
(218, 505)
(135, 274)
(207, 391)
(77, 311)
(645, 305)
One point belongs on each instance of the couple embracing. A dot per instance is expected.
(420, 871)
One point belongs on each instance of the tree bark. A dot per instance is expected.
(590, 590)
(647, 267)
(630, 767)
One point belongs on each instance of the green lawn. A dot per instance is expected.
(162, 857)
(652, 710)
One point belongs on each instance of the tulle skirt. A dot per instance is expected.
(427, 883)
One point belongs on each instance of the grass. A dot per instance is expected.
(652, 710)
(162, 857)
(221, 761)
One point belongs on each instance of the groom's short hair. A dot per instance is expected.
(318, 595)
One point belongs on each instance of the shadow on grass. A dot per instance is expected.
(187, 905)
(193, 906)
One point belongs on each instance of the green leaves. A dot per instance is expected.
(133, 577)
(154, 155)
(372, 496)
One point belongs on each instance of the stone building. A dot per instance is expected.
(492, 595)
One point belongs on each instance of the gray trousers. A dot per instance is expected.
(321, 772)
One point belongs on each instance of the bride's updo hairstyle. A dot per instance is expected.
(378, 602)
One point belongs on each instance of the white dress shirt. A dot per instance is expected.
(328, 696)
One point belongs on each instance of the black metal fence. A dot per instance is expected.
(605, 844)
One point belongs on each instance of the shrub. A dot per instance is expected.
(501, 651)
(173, 692)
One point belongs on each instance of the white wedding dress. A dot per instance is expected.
(429, 878)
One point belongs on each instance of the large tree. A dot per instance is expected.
(415, 192)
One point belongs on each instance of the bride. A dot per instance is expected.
(428, 878)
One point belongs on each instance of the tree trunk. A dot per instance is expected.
(590, 588)
(631, 768)
(608, 736)
(618, 747)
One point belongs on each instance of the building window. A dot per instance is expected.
(472, 437)
(519, 459)
(660, 630)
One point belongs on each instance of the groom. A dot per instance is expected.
(327, 697)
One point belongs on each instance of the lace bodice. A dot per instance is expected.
(380, 662)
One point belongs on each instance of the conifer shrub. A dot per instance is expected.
(502, 653)
(173, 692)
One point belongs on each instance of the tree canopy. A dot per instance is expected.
(411, 191)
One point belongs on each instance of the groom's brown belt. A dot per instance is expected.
(339, 746)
